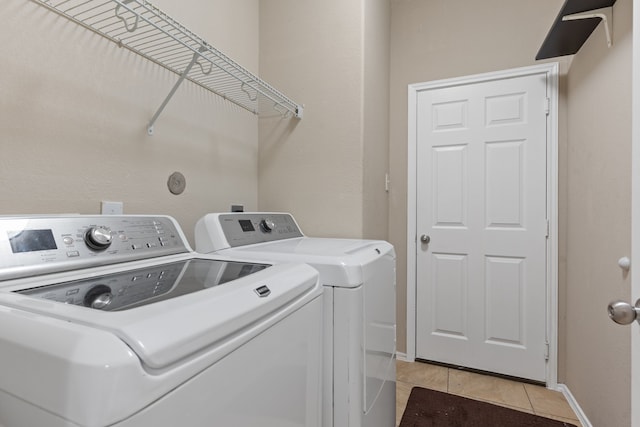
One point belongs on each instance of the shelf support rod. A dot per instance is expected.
(123, 19)
(606, 14)
(183, 76)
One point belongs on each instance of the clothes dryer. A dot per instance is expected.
(114, 321)
(358, 277)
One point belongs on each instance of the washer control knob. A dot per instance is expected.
(267, 225)
(98, 238)
(98, 297)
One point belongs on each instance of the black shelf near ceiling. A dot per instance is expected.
(567, 37)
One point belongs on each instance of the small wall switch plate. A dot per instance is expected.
(111, 208)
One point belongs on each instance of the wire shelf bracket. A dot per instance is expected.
(183, 76)
(142, 28)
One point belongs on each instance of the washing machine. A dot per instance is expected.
(358, 277)
(115, 321)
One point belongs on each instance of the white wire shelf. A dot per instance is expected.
(144, 29)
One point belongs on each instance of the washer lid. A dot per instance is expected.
(339, 261)
(142, 286)
(165, 330)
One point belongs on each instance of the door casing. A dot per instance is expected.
(551, 70)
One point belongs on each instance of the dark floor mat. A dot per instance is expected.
(430, 408)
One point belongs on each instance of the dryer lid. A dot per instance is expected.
(340, 262)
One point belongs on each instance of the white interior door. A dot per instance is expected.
(482, 226)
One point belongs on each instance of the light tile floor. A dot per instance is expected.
(529, 398)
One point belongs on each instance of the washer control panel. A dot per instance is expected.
(38, 245)
(242, 228)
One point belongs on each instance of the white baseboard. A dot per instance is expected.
(402, 357)
(582, 417)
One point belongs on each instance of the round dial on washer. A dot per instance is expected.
(98, 297)
(98, 238)
(267, 225)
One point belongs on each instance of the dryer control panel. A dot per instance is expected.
(39, 245)
(243, 228)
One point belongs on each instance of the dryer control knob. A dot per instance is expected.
(267, 225)
(98, 238)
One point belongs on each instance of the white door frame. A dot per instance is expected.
(551, 69)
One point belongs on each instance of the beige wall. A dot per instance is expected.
(74, 108)
(331, 56)
(597, 369)
(376, 118)
(313, 167)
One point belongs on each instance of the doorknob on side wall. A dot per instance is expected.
(623, 313)
(425, 239)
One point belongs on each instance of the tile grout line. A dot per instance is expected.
(533, 408)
